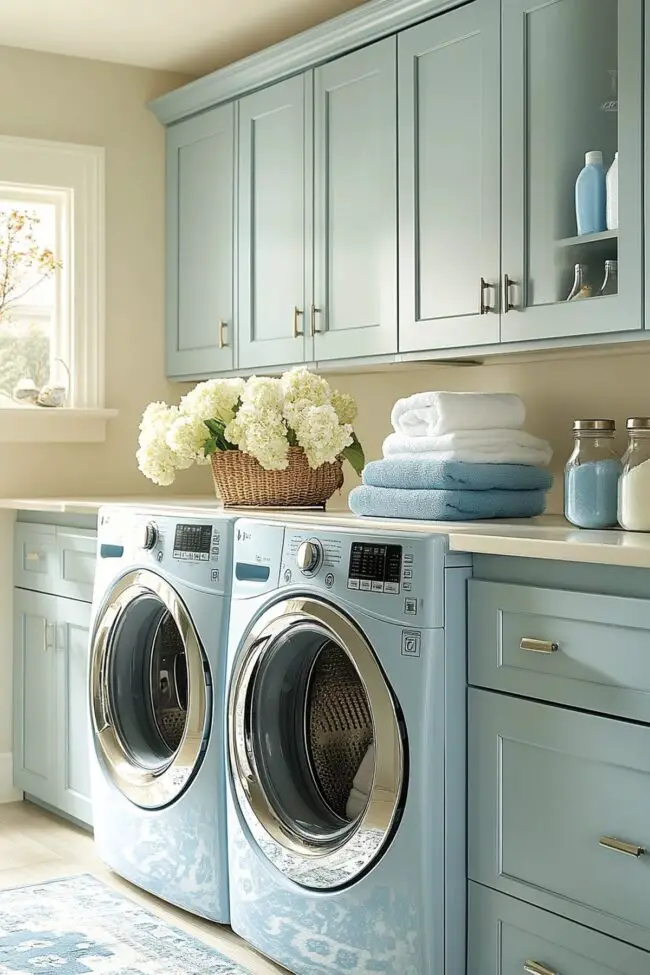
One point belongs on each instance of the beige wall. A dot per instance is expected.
(74, 100)
(555, 390)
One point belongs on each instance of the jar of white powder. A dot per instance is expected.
(634, 485)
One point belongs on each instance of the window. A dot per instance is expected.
(51, 275)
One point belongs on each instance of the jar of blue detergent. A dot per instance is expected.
(591, 476)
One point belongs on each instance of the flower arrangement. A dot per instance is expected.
(262, 417)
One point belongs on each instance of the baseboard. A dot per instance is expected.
(7, 791)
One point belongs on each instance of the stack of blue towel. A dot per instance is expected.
(446, 463)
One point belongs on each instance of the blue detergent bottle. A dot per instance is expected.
(591, 195)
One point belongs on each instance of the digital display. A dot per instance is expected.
(192, 542)
(376, 568)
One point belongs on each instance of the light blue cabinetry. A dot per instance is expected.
(572, 82)
(53, 574)
(275, 230)
(200, 244)
(449, 179)
(355, 182)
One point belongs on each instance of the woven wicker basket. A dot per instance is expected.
(239, 480)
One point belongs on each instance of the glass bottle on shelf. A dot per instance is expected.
(610, 283)
(591, 475)
(634, 485)
(581, 287)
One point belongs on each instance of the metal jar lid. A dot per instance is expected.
(638, 423)
(604, 425)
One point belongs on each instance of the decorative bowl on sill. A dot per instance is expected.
(270, 442)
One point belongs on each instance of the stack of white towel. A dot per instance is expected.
(456, 457)
(473, 428)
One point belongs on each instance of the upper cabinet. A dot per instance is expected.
(414, 196)
(572, 84)
(275, 213)
(200, 240)
(449, 182)
(354, 310)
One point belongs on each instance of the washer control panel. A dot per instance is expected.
(192, 542)
(375, 568)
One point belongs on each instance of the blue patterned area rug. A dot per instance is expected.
(79, 926)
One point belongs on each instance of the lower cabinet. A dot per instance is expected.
(509, 937)
(51, 716)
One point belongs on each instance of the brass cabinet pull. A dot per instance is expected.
(508, 283)
(535, 968)
(620, 846)
(222, 333)
(312, 318)
(297, 312)
(484, 306)
(538, 646)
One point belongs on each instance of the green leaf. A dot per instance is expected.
(210, 447)
(354, 455)
(216, 427)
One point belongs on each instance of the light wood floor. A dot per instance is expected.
(36, 846)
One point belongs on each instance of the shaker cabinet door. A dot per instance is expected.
(34, 700)
(275, 223)
(200, 244)
(449, 183)
(355, 225)
(74, 732)
(572, 84)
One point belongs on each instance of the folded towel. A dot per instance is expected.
(433, 414)
(394, 472)
(417, 505)
(361, 784)
(473, 447)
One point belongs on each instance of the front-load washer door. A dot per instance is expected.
(317, 755)
(149, 689)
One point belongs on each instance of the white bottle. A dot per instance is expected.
(612, 195)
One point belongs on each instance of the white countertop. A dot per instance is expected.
(546, 537)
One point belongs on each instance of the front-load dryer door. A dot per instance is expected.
(149, 689)
(317, 755)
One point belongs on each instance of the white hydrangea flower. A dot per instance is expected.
(187, 437)
(215, 399)
(263, 393)
(321, 435)
(345, 406)
(155, 457)
(262, 434)
(301, 384)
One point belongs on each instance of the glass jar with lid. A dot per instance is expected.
(591, 475)
(634, 487)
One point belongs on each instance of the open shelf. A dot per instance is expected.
(588, 239)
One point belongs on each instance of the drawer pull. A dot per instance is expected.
(33, 557)
(534, 968)
(620, 846)
(538, 646)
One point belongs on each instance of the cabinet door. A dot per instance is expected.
(509, 937)
(35, 754)
(355, 192)
(449, 183)
(275, 223)
(200, 243)
(73, 725)
(572, 83)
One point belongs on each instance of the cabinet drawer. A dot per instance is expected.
(59, 561)
(506, 936)
(588, 650)
(549, 790)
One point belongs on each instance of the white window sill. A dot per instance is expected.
(62, 424)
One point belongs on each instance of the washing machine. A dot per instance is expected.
(346, 723)
(157, 684)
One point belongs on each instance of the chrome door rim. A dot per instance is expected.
(316, 865)
(149, 789)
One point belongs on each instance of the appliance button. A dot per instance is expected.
(377, 587)
(411, 607)
(391, 587)
(407, 586)
(149, 536)
(366, 585)
(353, 583)
(309, 557)
(408, 573)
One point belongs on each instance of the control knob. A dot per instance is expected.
(149, 536)
(309, 557)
